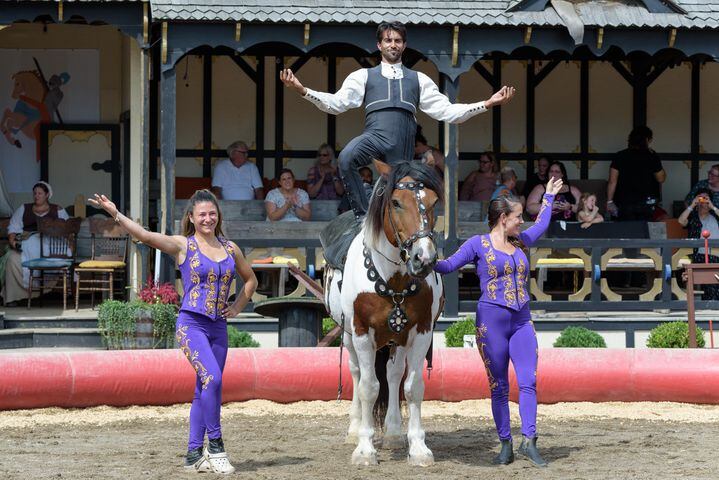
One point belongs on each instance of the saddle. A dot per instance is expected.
(337, 237)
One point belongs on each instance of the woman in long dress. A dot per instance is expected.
(24, 241)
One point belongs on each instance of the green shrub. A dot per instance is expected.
(240, 338)
(327, 325)
(454, 335)
(673, 335)
(116, 321)
(579, 337)
(116, 324)
(164, 318)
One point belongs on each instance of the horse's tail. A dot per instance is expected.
(380, 369)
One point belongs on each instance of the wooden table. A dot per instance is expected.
(279, 291)
(701, 274)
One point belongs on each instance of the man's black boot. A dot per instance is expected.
(506, 454)
(528, 448)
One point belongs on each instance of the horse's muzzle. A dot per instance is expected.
(422, 259)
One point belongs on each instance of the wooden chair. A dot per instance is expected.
(108, 261)
(58, 239)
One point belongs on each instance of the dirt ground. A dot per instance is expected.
(305, 440)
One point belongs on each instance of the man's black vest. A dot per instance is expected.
(382, 93)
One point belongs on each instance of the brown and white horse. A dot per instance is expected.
(390, 297)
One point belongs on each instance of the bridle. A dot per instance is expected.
(423, 232)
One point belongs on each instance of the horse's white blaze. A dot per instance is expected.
(426, 249)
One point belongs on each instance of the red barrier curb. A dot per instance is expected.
(164, 377)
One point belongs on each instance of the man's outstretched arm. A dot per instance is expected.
(437, 105)
(350, 95)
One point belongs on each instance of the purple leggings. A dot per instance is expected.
(204, 343)
(504, 334)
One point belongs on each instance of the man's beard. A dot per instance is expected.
(392, 56)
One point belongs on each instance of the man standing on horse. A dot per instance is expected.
(391, 93)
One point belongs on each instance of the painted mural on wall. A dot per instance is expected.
(37, 87)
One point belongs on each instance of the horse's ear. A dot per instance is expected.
(382, 167)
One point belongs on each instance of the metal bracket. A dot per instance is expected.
(60, 13)
(307, 34)
(600, 38)
(672, 37)
(527, 35)
(238, 31)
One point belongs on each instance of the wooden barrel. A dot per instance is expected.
(300, 319)
(143, 329)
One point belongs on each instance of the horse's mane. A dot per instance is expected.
(382, 193)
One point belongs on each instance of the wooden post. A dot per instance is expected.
(168, 145)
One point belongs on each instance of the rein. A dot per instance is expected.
(423, 232)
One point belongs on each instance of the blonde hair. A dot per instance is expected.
(583, 199)
(507, 173)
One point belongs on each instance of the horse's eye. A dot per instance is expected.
(395, 204)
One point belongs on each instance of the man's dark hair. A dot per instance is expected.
(396, 26)
(418, 137)
(704, 190)
(639, 136)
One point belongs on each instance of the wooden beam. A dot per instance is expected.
(260, 116)
(207, 114)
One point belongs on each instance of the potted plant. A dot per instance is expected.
(148, 322)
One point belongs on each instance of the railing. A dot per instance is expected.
(594, 260)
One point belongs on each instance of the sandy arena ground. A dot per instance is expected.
(305, 440)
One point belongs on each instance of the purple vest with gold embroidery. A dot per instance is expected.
(502, 277)
(206, 283)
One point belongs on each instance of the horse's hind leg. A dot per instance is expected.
(419, 454)
(368, 389)
(356, 408)
(393, 421)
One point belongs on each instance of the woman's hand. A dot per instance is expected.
(231, 312)
(101, 201)
(554, 186)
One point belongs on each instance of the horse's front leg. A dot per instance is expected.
(419, 454)
(356, 407)
(393, 420)
(368, 389)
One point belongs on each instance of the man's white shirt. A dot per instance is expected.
(236, 183)
(431, 100)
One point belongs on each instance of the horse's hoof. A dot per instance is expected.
(364, 459)
(351, 439)
(394, 442)
(424, 460)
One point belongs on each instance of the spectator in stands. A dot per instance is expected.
(323, 181)
(237, 178)
(287, 203)
(480, 184)
(588, 210)
(711, 184)
(700, 215)
(367, 180)
(508, 177)
(566, 201)
(539, 177)
(24, 242)
(635, 179)
(427, 153)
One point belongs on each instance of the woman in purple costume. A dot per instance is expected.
(208, 264)
(504, 324)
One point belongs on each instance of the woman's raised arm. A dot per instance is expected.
(169, 244)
